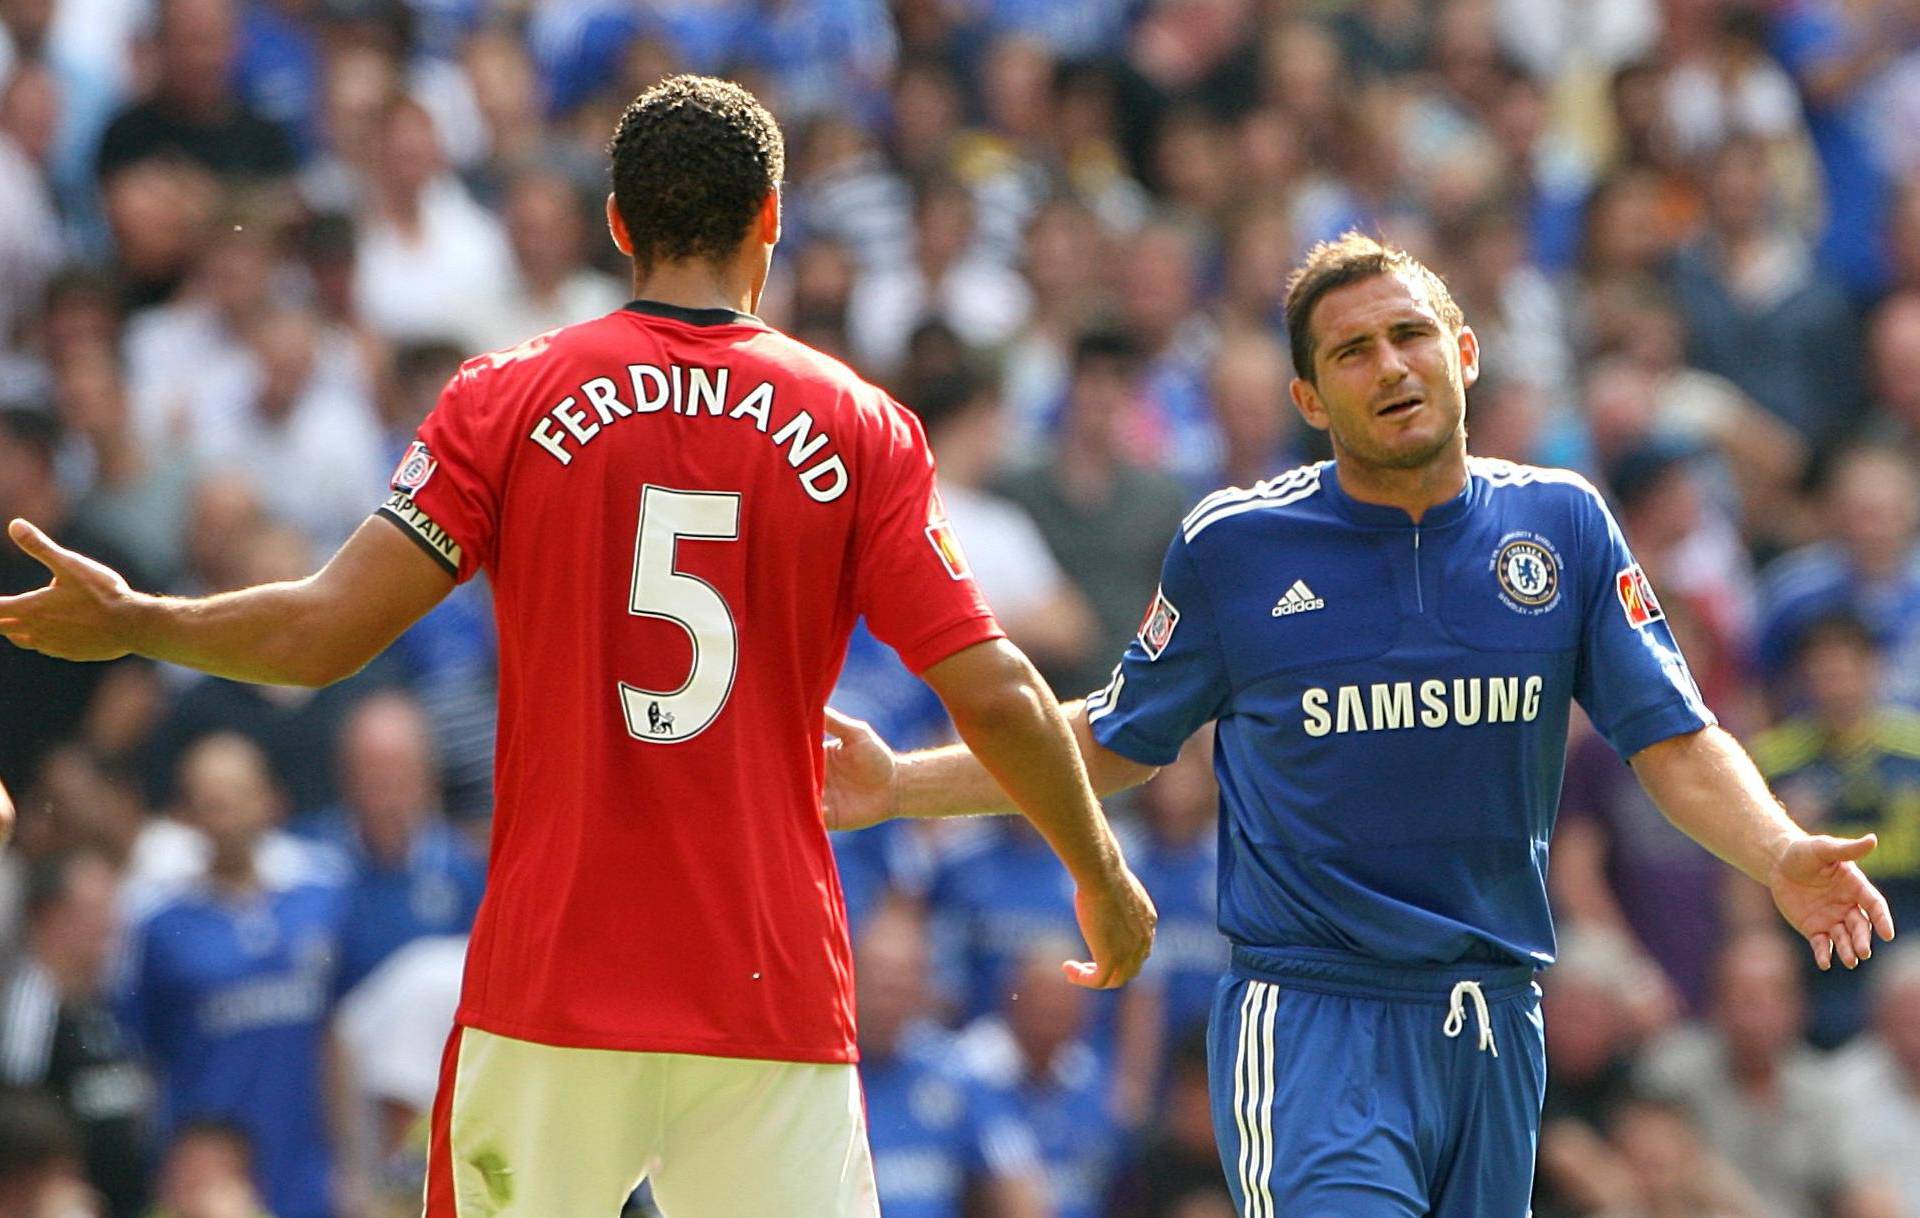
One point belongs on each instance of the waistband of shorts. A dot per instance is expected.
(1332, 972)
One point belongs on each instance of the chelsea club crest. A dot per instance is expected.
(1528, 571)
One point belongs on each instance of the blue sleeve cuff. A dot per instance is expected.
(1655, 724)
(1118, 736)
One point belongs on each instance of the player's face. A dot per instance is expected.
(1390, 376)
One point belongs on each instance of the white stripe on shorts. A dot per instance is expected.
(1253, 1087)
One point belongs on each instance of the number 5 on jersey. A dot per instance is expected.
(689, 602)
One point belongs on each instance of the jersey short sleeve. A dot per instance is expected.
(912, 581)
(1172, 678)
(1631, 680)
(444, 495)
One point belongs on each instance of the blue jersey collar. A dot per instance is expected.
(1384, 516)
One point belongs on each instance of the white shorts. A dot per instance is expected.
(523, 1130)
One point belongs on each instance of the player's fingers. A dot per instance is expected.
(1843, 849)
(1083, 973)
(38, 546)
(844, 727)
(1822, 952)
(1843, 946)
(1878, 912)
(1860, 933)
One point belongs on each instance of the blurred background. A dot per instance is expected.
(244, 242)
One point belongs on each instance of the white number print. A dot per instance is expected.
(689, 602)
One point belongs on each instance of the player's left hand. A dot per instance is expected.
(79, 615)
(1820, 890)
(860, 775)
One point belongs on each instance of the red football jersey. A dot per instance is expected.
(681, 512)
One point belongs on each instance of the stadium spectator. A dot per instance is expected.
(1621, 868)
(1758, 1094)
(30, 245)
(1176, 1172)
(994, 894)
(1098, 510)
(1065, 249)
(298, 728)
(40, 1174)
(231, 982)
(1178, 859)
(1159, 299)
(938, 1134)
(1893, 359)
(139, 492)
(1849, 763)
(46, 699)
(409, 873)
(1759, 311)
(1031, 1048)
(1594, 1026)
(1881, 1073)
(551, 285)
(1673, 1172)
(1258, 439)
(193, 112)
(58, 1030)
(207, 1172)
(1038, 607)
(1868, 562)
(949, 278)
(425, 253)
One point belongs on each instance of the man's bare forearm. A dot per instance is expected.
(951, 781)
(1707, 786)
(265, 635)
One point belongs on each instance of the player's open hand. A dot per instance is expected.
(1117, 921)
(1820, 890)
(79, 615)
(860, 775)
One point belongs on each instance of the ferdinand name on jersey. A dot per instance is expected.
(695, 393)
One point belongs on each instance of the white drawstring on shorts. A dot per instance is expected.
(1457, 1014)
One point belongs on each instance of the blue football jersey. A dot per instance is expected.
(933, 1128)
(230, 999)
(1392, 701)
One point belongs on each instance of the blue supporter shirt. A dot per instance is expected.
(436, 891)
(230, 1000)
(934, 1128)
(1188, 953)
(1064, 1104)
(1392, 702)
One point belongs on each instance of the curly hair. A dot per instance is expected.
(693, 158)
(1352, 257)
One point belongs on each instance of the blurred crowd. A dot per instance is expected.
(244, 242)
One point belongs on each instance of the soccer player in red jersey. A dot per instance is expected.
(681, 512)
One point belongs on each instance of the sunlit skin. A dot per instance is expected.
(1390, 381)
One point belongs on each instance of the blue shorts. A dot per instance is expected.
(1338, 1093)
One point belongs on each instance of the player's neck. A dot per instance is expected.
(1413, 491)
(698, 284)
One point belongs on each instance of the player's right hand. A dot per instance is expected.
(79, 615)
(1117, 921)
(860, 775)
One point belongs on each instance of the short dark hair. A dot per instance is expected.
(1844, 626)
(33, 429)
(1350, 258)
(942, 398)
(1105, 346)
(693, 159)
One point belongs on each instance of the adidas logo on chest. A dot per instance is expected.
(1298, 599)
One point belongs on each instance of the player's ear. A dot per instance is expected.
(1306, 399)
(769, 221)
(617, 228)
(1469, 357)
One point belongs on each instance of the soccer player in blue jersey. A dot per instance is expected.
(1389, 644)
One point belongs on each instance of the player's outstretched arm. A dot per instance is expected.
(1707, 785)
(310, 632)
(1018, 740)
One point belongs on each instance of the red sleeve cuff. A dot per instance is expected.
(954, 637)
